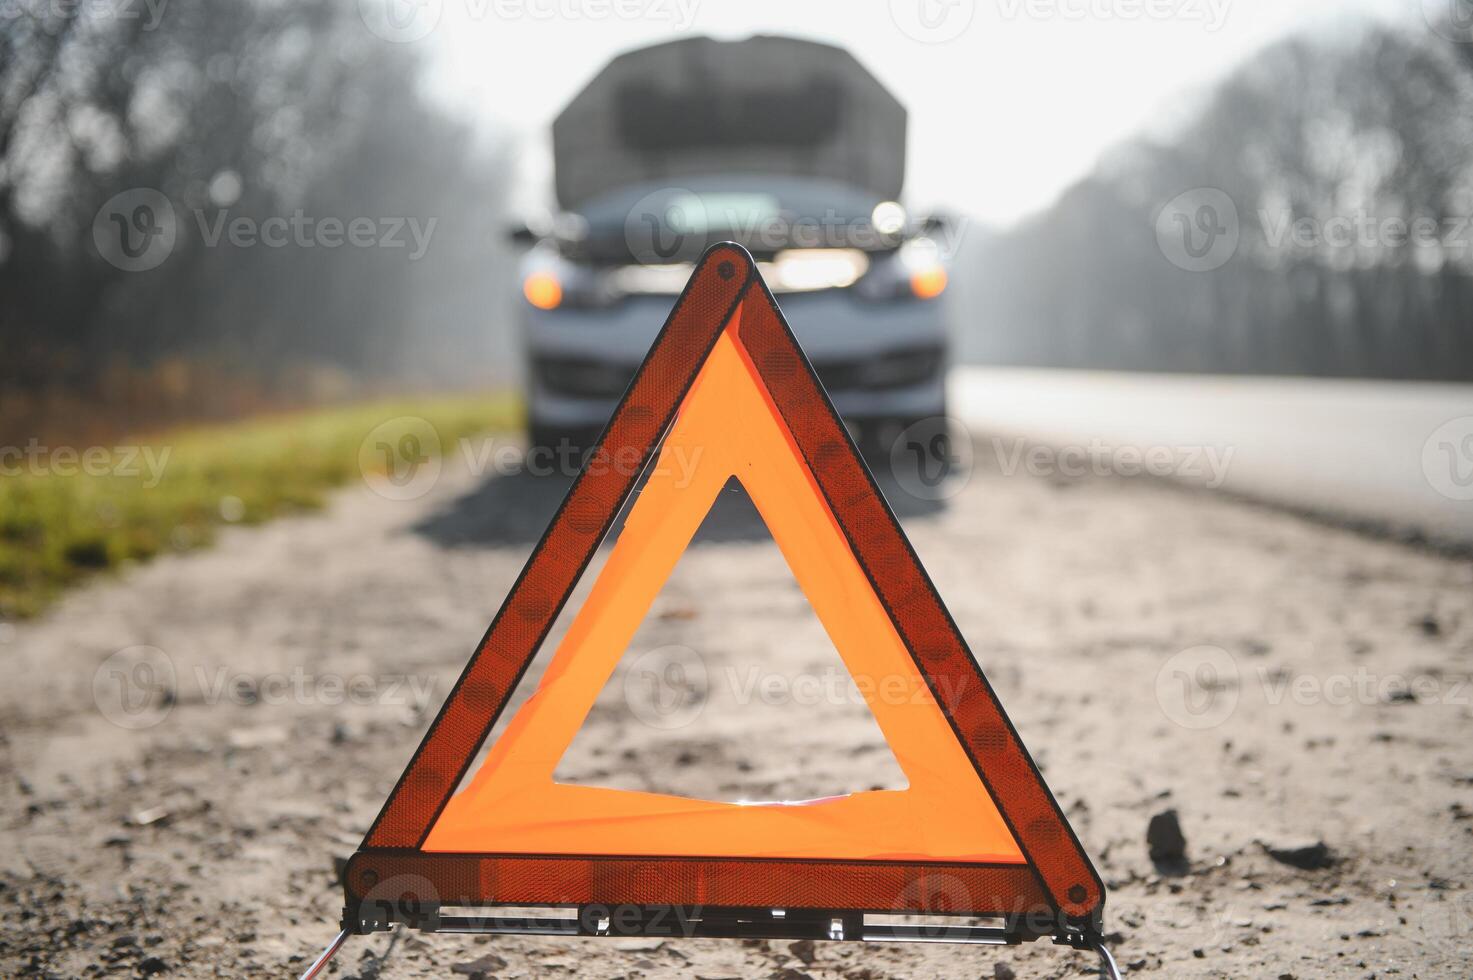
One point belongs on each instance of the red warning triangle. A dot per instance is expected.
(726, 392)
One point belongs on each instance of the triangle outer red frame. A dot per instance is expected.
(1057, 877)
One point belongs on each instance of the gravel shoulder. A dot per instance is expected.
(1277, 683)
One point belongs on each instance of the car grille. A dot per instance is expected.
(893, 369)
(583, 377)
(588, 378)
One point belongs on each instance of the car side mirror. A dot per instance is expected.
(520, 234)
(935, 224)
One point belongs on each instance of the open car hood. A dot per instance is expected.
(764, 105)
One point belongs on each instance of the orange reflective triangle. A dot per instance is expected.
(727, 427)
(724, 392)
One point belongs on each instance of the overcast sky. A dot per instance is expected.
(1010, 100)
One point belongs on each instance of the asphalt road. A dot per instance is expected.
(1393, 455)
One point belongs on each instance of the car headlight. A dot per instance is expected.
(929, 282)
(913, 271)
(550, 281)
(543, 290)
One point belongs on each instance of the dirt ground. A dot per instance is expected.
(1297, 694)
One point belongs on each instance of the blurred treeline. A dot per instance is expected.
(231, 108)
(1372, 125)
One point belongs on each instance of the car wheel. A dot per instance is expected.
(556, 449)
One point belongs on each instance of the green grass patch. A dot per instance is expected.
(69, 513)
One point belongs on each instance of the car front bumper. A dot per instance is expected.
(878, 361)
